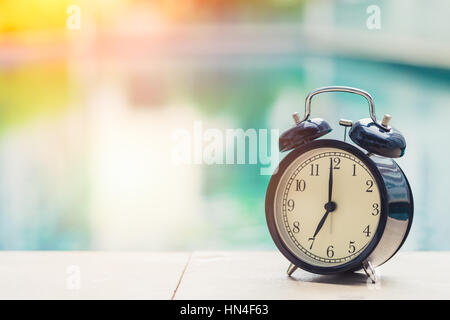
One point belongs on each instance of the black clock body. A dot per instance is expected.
(396, 212)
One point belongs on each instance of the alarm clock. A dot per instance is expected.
(334, 206)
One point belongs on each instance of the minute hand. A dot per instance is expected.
(330, 181)
(330, 189)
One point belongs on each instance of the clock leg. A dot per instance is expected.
(291, 269)
(370, 271)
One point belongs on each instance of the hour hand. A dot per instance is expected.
(320, 225)
(329, 207)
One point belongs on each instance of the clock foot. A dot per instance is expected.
(370, 271)
(291, 269)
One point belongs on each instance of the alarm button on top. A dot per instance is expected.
(384, 142)
(303, 132)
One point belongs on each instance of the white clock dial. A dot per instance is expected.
(319, 231)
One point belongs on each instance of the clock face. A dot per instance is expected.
(327, 207)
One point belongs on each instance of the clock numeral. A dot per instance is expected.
(354, 170)
(367, 231)
(337, 163)
(314, 170)
(376, 209)
(351, 247)
(312, 242)
(291, 205)
(330, 252)
(301, 185)
(296, 227)
(369, 184)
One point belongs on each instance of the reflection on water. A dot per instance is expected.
(96, 173)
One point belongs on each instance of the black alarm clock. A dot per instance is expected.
(334, 206)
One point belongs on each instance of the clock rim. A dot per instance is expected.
(354, 264)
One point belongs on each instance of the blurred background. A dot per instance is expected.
(91, 93)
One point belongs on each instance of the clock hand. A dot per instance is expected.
(322, 221)
(330, 206)
(330, 190)
(330, 181)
